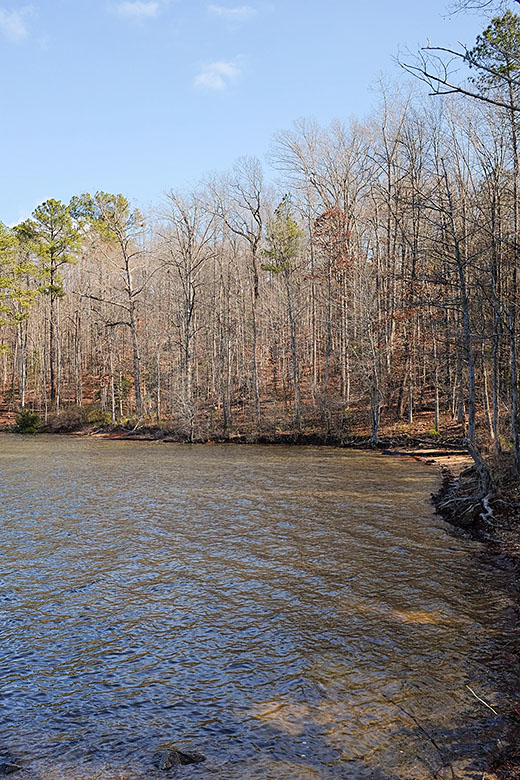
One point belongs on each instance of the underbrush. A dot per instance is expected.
(68, 420)
(26, 422)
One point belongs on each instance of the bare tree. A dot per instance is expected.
(189, 242)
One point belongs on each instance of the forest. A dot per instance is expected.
(370, 285)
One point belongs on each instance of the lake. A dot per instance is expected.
(290, 613)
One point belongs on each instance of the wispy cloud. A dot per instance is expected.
(137, 9)
(13, 23)
(239, 13)
(218, 76)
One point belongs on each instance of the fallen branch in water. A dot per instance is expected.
(482, 700)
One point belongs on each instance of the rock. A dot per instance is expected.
(173, 758)
(168, 759)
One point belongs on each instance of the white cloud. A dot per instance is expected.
(13, 24)
(218, 75)
(239, 13)
(136, 9)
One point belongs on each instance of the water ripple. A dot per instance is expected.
(292, 613)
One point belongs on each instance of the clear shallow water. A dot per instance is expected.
(289, 612)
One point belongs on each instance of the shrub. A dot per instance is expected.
(96, 416)
(69, 419)
(26, 422)
(104, 419)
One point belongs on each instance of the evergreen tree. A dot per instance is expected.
(16, 296)
(284, 246)
(52, 237)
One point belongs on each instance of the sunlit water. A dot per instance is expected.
(288, 612)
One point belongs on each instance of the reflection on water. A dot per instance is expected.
(290, 613)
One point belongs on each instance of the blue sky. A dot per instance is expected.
(143, 96)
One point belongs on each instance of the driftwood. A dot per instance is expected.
(414, 453)
(460, 449)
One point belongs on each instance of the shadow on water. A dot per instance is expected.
(488, 735)
(285, 743)
(271, 756)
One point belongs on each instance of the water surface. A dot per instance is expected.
(289, 612)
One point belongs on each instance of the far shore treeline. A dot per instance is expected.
(377, 285)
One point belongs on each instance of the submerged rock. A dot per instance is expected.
(173, 758)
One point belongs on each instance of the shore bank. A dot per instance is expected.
(393, 443)
(495, 523)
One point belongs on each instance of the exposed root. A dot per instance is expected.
(487, 516)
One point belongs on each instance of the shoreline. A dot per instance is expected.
(496, 528)
(304, 438)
